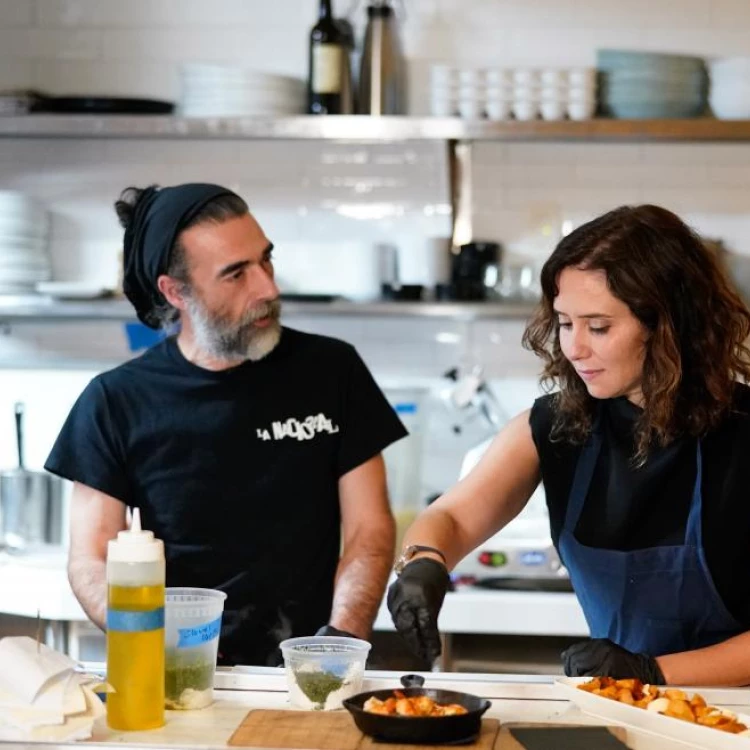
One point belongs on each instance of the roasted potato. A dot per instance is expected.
(670, 702)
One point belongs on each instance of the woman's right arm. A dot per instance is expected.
(493, 494)
(487, 499)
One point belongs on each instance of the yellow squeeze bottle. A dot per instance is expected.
(135, 629)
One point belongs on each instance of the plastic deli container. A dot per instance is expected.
(322, 671)
(192, 628)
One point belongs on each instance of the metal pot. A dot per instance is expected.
(30, 502)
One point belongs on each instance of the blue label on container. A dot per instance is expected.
(201, 634)
(128, 621)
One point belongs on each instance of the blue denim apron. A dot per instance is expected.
(658, 600)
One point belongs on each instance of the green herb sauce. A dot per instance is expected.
(181, 675)
(317, 686)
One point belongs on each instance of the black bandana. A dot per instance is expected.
(160, 215)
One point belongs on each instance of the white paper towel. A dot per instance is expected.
(41, 695)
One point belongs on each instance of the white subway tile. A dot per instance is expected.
(16, 43)
(698, 199)
(174, 44)
(17, 74)
(105, 78)
(615, 155)
(727, 154)
(174, 13)
(695, 40)
(16, 13)
(64, 44)
(730, 176)
(545, 154)
(730, 14)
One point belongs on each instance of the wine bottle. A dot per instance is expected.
(327, 50)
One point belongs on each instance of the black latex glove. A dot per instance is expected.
(414, 601)
(602, 658)
(330, 630)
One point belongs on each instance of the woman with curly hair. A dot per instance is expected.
(643, 449)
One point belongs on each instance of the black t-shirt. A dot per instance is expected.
(631, 508)
(237, 471)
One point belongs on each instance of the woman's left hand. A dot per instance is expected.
(603, 658)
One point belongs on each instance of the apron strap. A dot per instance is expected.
(694, 530)
(583, 474)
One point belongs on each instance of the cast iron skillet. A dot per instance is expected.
(425, 730)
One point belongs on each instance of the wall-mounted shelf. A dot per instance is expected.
(23, 310)
(365, 128)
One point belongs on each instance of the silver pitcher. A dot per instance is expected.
(31, 502)
(382, 78)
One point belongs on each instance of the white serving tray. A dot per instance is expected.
(651, 722)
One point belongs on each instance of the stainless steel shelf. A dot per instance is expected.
(23, 310)
(366, 128)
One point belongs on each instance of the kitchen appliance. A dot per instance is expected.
(382, 79)
(348, 104)
(30, 502)
(475, 270)
(519, 557)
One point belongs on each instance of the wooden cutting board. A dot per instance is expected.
(325, 730)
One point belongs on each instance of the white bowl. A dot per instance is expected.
(525, 110)
(726, 65)
(553, 110)
(470, 109)
(498, 77)
(498, 110)
(526, 93)
(526, 77)
(470, 77)
(444, 75)
(498, 93)
(442, 107)
(580, 94)
(581, 110)
(581, 76)
(553, 77)
(553, 94)
(468, 91)
(726, 108)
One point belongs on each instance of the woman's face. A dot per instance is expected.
(600, 336)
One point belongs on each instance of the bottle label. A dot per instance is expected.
(128, 621)
(327, 65)
(202, 634)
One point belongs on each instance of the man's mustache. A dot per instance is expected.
(267, 310)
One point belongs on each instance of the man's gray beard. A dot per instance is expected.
(236, 341)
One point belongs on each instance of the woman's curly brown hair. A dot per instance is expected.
(698, 325)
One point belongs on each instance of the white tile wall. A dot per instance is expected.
(306, 194)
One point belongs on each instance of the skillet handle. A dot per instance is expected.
(412, 681)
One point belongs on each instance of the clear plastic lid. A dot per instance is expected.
(136, 544)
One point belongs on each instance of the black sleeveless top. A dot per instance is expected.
(632, 508)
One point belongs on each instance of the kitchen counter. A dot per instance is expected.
(515, 699)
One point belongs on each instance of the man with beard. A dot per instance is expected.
(251, 449)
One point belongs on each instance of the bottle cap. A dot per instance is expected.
(135, 545)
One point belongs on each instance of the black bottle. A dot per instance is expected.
(327, 50)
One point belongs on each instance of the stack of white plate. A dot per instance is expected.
(227, 91)
(24, 231)
(730, 88)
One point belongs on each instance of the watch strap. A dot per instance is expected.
(414, 549)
